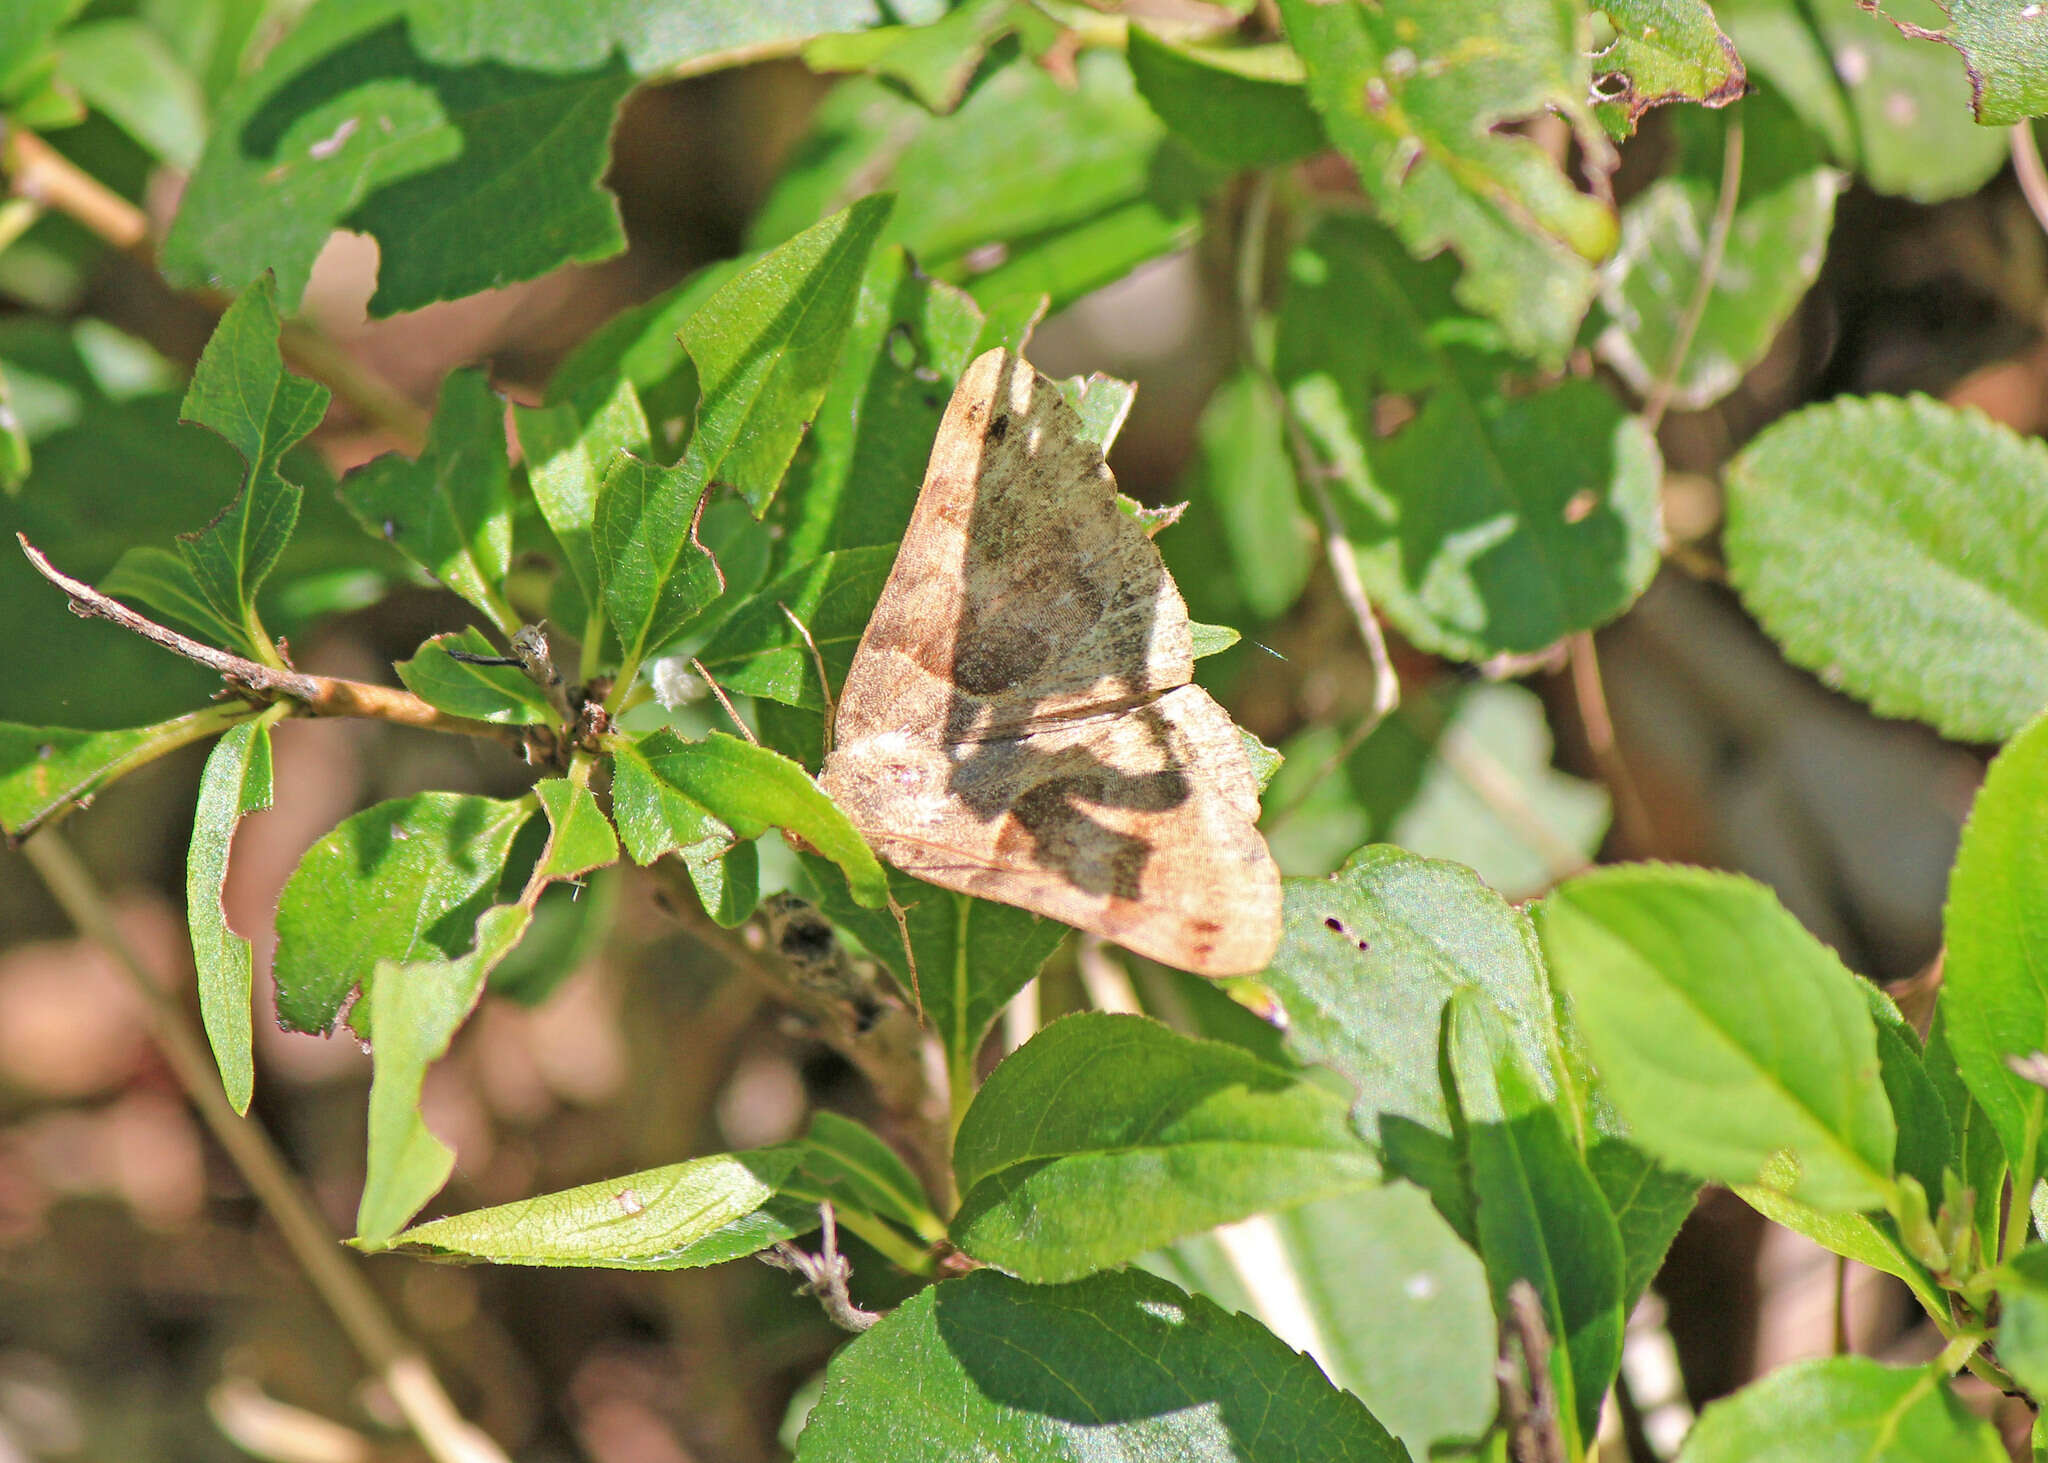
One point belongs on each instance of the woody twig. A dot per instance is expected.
(309, 695)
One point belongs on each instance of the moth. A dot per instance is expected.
(1019, 721)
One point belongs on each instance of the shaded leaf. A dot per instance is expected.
(1242, 466)
(1888, 545)
(451, 511)
(1105, 1136)
(1648, 1201)
(1414, 94)
(654, 816)
(846, 1162)
(759, 651)
(582, 837)
(1843, 1409)
(2023, 1317)
(397, 882)
(727, 881)
(499, 693)
(1736, 1045)
(1114, 1366)
(46, 769)
(654, 573)
(1242, 108)
(236, 781)
(127, 70)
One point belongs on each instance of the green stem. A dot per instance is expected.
(894, 1247)
(591, 648)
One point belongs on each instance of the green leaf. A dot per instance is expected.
(450, 512)
(2023, 1317)
(1243, 108)
(347, 125)
(165, 582)
(1243, 468)
(855, 479)
(1648, 1201)
(45, 770)
(26, 29)
(1461, 773)
(1498, 519)
(1843, 1409)
(241, 390)
(125, 69)
(236, 781)
(15, 455)
(933, 63)
(1871, 1240)
(1380, 1291)
(2006, 56)
(569, 446)
(845, 1162)
(1994, 997)
(1891, 108)
(973, 955)
(1368, 958)
(655, 816)
(641, 345)
(498, 693)
(1540, 1217)
(654, 37)
(764, 347)
(1888, 546)
(1105, 1136)
(419, 1007)
(679, 1217)
(727, 881)
(1926, 1144)
(1414, 94)
(1090, 185)
(402, 881)
(1664, 51)
(759, 651)
(1116, 1366)
(1979, 1155)
(582, 837)
(1777, 237)
(1735, 1044)
(751, 789)
(655, 576)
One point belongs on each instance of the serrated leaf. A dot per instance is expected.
(973, 955)
(1105, 1136)
(1893, 109)
(1091, 185)
(751, 789)
(1393, 1305)
(241, 390)
(236, 781)
(1891, 546)
(1244, 108)
(124, 68)
(1497, 519)
(1843, 1409)
(497, 693)
(1414, 94)
(1777, 237)
(1735, 1045)
(1123, 1366)
(2006, 56)
(582, 837)
(1649, 1203)
(347, 124)
(569, 446)
(764, 347)
(450, 512)
(397, 882)
(1994, 998)
(44, 770)
(419, 1007)
(1664, 51)
(654, 574)
(1539, 1216)
(654, 816)
(653, 37)
(1368, 958)
(681, 1216)
(759, 651)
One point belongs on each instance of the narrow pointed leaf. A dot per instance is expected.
(1735, 1045)
(1105, 1136)
(450, 512)
(844, 1160)
(236, 781)
(1115, 1366)
(45, 769)
(654, 574)
(398, 882)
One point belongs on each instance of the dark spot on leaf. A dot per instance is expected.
(1334, 923)
(998, 428)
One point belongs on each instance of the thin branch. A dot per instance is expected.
(825, 1274)
(313, 695)
(1711, 256)
(2027, 167)
(386, 1350)
(1590, 691)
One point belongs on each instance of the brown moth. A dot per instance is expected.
(1019, 722)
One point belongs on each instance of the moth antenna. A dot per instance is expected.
(824, 681)
(724, 700)
(909, 955)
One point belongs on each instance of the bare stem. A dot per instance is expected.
(312, 695)
(1590, 690)
(1711, 256)
(387, 1351)
(2027, 167)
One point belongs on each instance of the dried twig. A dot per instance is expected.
(1528, 1399)
(825, 1274)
